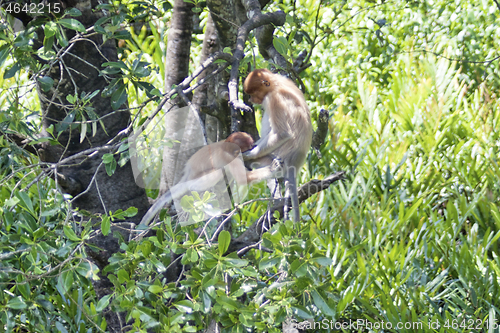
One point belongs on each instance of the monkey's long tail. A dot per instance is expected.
(157, 206)
(175, 192)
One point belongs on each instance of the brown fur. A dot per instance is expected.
(216, 156)
(286, 130)
(203, 170)
(288, 115)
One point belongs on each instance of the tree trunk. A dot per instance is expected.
(176, 69)
(95, 191)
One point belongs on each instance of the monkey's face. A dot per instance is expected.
(246, 144)
(242, 139)
(258, 85)
(257, 98)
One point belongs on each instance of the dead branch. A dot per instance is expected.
(320, 134)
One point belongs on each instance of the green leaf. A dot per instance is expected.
(185, 306)
(103, 303)
(61, 37)
(50, 29)
(4, 53)
(105, 225)
(235, 262)
(68, 120)
(227, 302)
(72, 24)
(119, 96)
(48, 42)
(167, 6)
(299, 267)
(110, 167)
(131, 211)
(68, 231)
(301, 312)
(65, 282)
(23, 287)
(25, 201)
(155, 289)
(412, 210)
(12, 71)
(321, 303)
(12, 202)
(73, 12)
(88, 270)
(268, 263)
(452, 212)
(46, 83)
(60, 327)
(116, 64)
(107, 158)
(123, 276)
(224, 241)
(323, 261)
(122, 34)
(83, 130)
(194, 255)
(281, 45)
(16, 303)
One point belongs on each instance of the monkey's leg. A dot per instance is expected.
(272, 183)
(291, 192)
(287, 198)
(272, 170)
(274, 186)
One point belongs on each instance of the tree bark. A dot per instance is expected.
(176, 69)
(78, 71)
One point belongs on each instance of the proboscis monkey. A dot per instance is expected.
(286, 130)
(203, 170)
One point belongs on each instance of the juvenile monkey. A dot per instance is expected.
(286, 129)
(204, 169)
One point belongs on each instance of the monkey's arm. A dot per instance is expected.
(266, 145)
(272, 170)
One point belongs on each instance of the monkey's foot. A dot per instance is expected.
(277, 164)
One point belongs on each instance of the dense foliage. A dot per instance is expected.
(409, 238)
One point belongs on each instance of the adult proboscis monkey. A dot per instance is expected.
(286, 130)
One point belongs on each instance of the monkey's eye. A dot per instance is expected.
(266, 83)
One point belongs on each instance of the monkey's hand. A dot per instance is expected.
(252, 153)
(237, 105)
(267, 145)
(277, 164)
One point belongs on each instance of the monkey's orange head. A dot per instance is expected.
(258, 84)
(242, 139)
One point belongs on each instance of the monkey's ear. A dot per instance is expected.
(266, 83)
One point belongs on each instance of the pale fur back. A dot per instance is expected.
(290, 111)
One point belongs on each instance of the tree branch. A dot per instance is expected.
(254, 233)
(265, 36)
(276, 18)
(320, 134)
